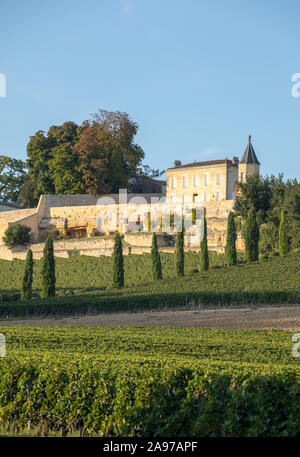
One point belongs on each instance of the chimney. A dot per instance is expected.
(177, 163)
(235, 160)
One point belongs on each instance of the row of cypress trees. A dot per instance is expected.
(48, 273)
(251, 235)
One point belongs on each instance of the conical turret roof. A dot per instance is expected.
(249, 155)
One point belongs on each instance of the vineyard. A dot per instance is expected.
(84, 284)
(149, 382)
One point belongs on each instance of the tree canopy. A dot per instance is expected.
(13, 174)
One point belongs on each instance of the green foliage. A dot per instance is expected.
(257, 193)
(180, 253)
(292, 211)
(204, 258)
(28, 277)
(107, 154)
(230, 253)
(48, 270)
(283, 238)
(269, 196)
(98, 156)
(118, 268)
(155, 257)
(16, 234)
(268, 238)
(145, 382)
(12, 177)
(251, 236)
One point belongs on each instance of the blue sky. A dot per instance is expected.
(197, 76)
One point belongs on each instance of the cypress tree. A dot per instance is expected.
(118, 268)
(180, 253)
(282, 235)
(230, 252)
(204, 260)
(48, 270)
(27, 278)
(155, 257)
(251, 236)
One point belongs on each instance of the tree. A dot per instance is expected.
(251, 236)
(53, 164)
(292, 211)
(27, 278)
(13, 174)
(230, 252)
(27, 192)
(48, 270)
(118, 265)
(155, 257)
(39, 155)
(16, 234)
(180, 253)
(108, 157)
(256, 192)
(204, 259)
(282, 236)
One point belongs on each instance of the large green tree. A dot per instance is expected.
(13, 174)
(108, 156)
(251, 236)
(255, 192)
(53, 164)
(292, 211)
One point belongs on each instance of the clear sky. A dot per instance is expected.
(197, 76)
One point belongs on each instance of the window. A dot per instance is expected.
(233, 195)
(173, 198)
(173, 182)
(184, 181)
(205, 179)
(195, 197)
(205, 197)
(218, 178)
(218, 196)
(185, 198)
(195, 180)
(243, 177)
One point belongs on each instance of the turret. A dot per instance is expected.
(249, 165)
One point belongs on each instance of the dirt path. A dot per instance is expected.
(284, 318)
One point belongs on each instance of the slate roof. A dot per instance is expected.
(204, 164)
(249, 155)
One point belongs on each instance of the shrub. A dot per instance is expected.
(16, 234)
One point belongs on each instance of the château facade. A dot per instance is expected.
(212, 180)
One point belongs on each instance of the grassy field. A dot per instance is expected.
(84, 284)
(148, 382)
